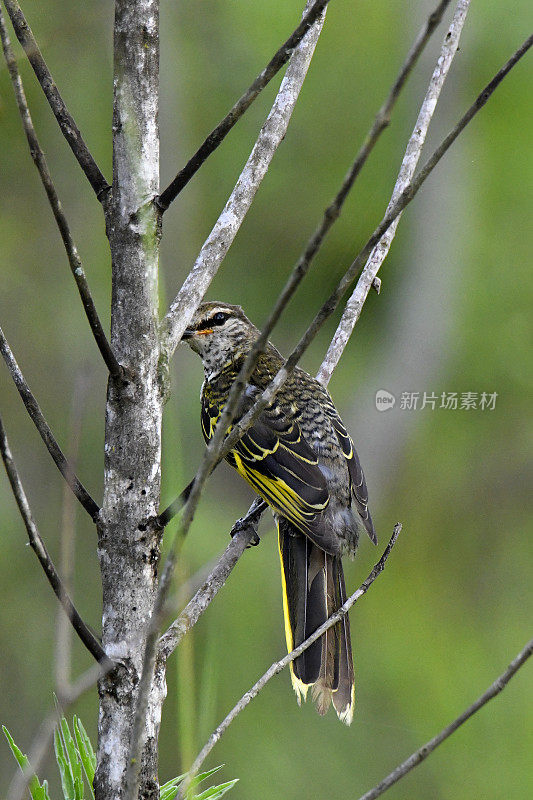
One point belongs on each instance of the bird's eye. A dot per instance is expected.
(219, 318)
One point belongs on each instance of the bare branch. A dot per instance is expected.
(65, 121)
(226, 227)
(33, 409)
(218, 134)
(331, 214)
(211, 455)
(332, 302)
(40, 162)
(407, 170)
(170, 639)
(282, 663)
(423, 752)
(239, 428)
(85, 634)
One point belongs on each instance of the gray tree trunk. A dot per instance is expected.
(128, 553)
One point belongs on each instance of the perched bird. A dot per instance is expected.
(300, 459)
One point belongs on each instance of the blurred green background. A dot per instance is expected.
(454, 315)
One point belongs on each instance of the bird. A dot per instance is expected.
(300, 459)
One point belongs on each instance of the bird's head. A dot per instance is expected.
(220, 333)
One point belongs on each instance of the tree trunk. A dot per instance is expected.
(129, 552)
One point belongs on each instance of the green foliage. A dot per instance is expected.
(85, 749)
(75, 757)
(38, 791)
(169, 790)
(69, 762)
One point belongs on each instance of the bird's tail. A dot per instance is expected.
(313, 589)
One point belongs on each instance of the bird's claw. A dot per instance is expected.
(244, 523)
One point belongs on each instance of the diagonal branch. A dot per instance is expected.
(44, 173)
(331, 214)
(278, 666)
(332, 302)
(33, 409)
(218, 134)
(207, 464)
(212, 455)
(423, 752)
(226, 227)
(413, 151)
(85, 634)
(65, 121)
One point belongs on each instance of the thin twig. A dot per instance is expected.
(36, 415)
(327, 309)
(218, 134)
(282, 663)
(330, 215)
(41, 742)
(85, 634)
(39, 160)
(65, 121)
(423, 752)
(270, 392)
(226, 227)
(413, 151)
(332, 302)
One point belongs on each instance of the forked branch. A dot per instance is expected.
(198, 604)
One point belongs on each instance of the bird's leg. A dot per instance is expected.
(250, 520)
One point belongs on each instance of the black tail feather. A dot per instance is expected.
(313, 589)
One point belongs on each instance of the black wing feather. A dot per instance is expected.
(357, 478)
(281, 466)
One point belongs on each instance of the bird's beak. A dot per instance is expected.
(188, 333)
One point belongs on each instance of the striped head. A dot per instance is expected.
(221, 334)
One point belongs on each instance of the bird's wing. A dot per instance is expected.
(275, 459)
(357, 478)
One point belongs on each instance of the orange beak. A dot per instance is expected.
(188, 333)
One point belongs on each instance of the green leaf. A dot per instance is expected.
(67, 778)
(169, 789)
(86, 752)
(168, 794)
(203, 775)
(22, 760)
(37, 791)
(215, 792)
(73, 759)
